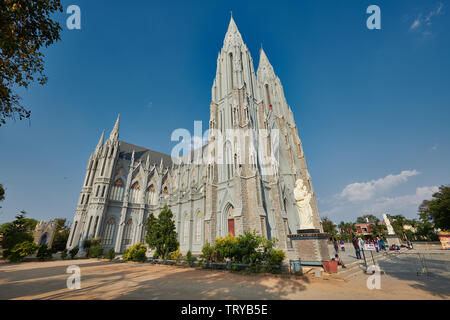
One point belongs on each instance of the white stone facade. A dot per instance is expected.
(125, 183)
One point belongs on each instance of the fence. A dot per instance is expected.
(293, 268)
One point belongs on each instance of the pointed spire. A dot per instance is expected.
(115, 132)
(233, 36)
(263, 60)
(100, 142)
(132, 158)
(264, 64)
(147, 162)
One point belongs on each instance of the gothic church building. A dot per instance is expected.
(125, 183)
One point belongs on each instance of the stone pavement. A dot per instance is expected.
(114, 280)
(349, 256)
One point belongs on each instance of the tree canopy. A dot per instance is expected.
(161, 234)
(437, 209)
(26, 28)
(2, 193)
(368, 218)
(16, 232)
(328, 226)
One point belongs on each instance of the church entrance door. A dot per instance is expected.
(231, 226)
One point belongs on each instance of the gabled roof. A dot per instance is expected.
(140, 154)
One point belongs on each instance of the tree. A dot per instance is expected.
(17, 232)
(25, 29)
(437, 209)
(368, 218)
(347, 227)
(2, 193)
(61, 235)
(377, 229)
(161, 234)
(328, 226)
(398, 223)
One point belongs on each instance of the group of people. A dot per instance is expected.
(358, 244)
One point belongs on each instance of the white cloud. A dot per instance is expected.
(425, 20)
(360, 191)
(415, 24)
(391, 204)
(407, 205)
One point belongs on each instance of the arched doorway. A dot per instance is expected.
(229, 214)
(43, 239)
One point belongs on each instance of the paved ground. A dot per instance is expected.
(105, 280)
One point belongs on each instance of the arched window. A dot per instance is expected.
(144, 233)
(186, 229)
(73, 232)
(134, 192)
(269, 102)
(231, 70)
(151, 196)
(117, 190)
(95, 225)
(109, 232)
(127, 233)
(228, 160)
(89, 226)
(198, 231)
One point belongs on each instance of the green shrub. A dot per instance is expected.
(44, 253)
(176, 255)
(92, 243)
(207, 252)
(110, 254)
(64, 254)
(136, 253)
(275, 257)
(95, 251)
(74, 252)
(20, 251)
(16, 232)
(224, 248)
(189, 258)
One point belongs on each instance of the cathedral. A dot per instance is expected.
(125, 183)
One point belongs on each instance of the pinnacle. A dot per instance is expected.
(115, 132)
(100, 142)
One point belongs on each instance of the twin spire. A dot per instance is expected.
(233, 36)
(114, 135)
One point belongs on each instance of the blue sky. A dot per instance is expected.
(372, 106)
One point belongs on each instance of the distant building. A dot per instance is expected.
(44, 233)
(364, 228)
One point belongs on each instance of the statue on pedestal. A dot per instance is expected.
(303, 197)
(388, 225)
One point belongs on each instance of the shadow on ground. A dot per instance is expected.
(105, 280)
(406, 267)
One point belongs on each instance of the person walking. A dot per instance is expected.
(336, 246)
(342, 243)
(382, 245)
(356, 246)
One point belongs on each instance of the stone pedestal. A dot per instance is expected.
(393, 239)
(310, 247)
